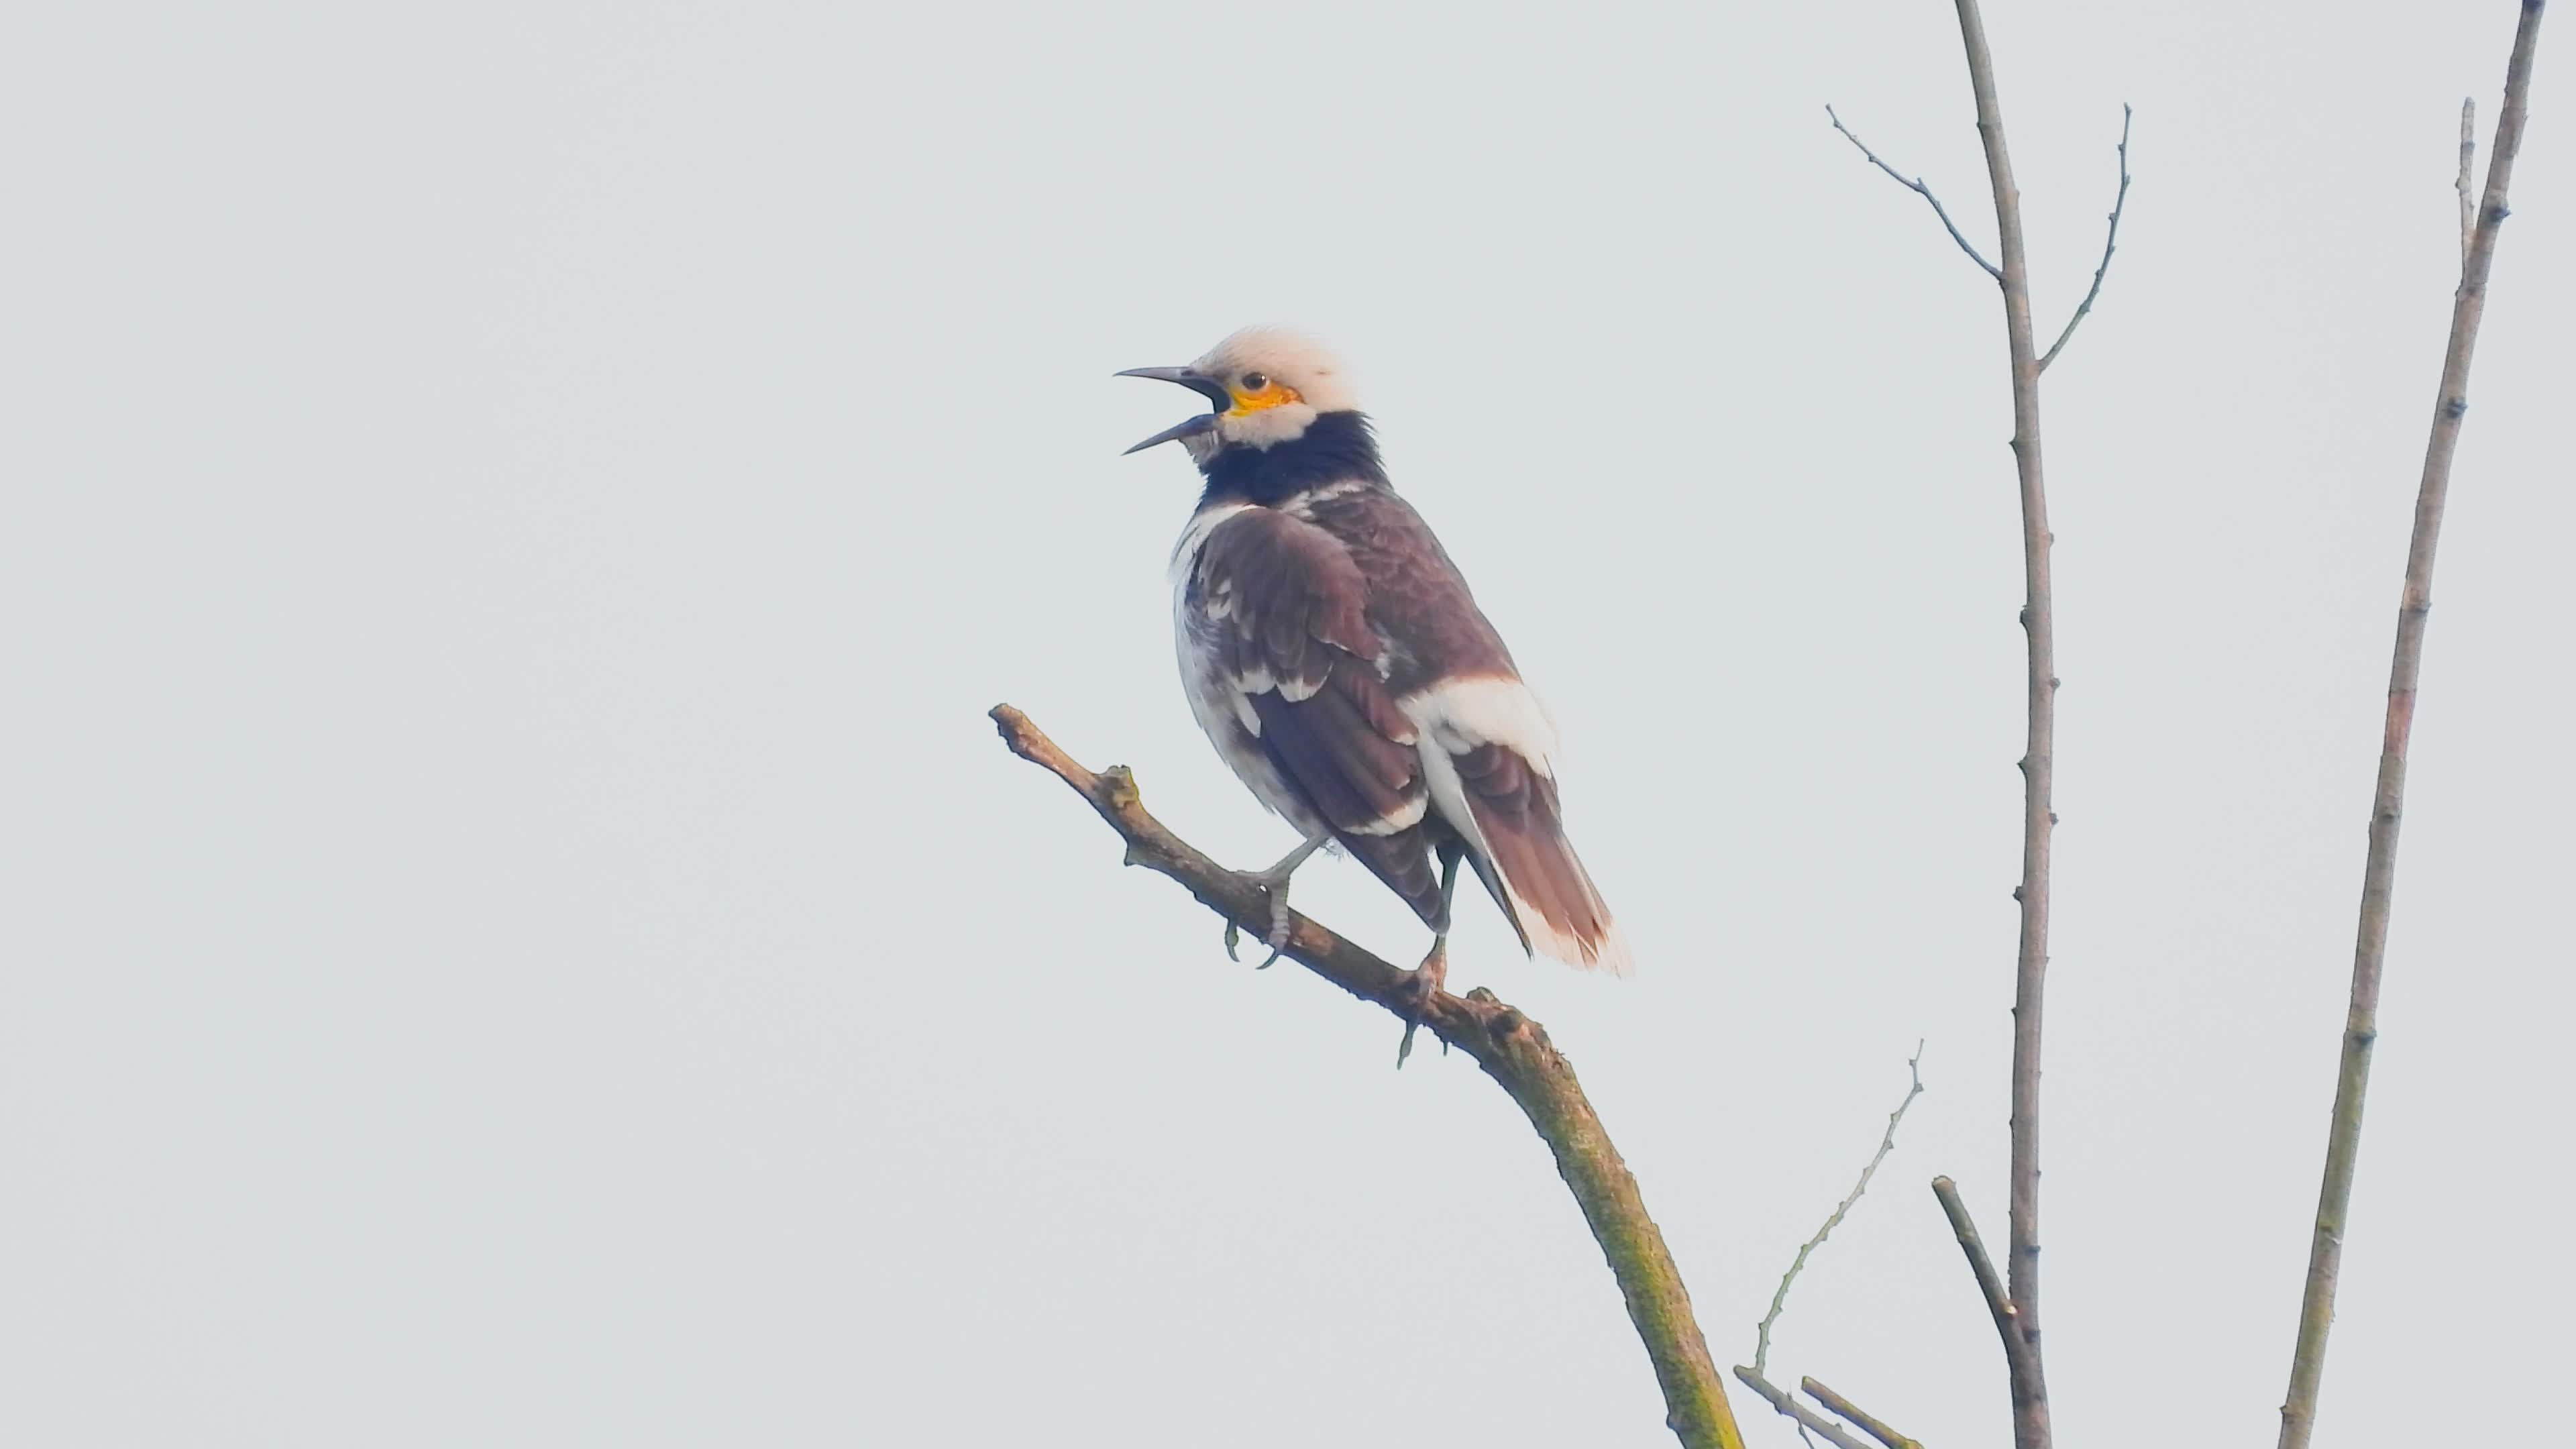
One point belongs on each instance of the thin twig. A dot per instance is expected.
(2468, 162)
(2379, 874)
(2038, 764)
(1806, 1418)
(1868, 1425)
(2110, 244)
(1886, 1145)
(1511, 1048)
(1918, 188)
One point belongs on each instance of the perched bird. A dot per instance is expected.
(1334, 656)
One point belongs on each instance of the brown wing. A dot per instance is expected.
(1449, 666)
(1427, 621)
(1281, 610)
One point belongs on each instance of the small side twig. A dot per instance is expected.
(1806, 1418)
(1918, 188)
(2468, 163)
(1886, 1145)
(1845, 1407)
(1989, 1282)
(2110, 244)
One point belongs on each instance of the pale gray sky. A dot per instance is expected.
(517, 932)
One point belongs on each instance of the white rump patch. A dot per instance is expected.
(1460, 714)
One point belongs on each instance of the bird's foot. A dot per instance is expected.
(1423, 984)
(1273, 884)
(1277, 940)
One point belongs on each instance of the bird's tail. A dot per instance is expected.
(1533, 873)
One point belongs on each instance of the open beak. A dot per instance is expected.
(1200, 383)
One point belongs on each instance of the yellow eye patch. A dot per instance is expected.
(1268, 395)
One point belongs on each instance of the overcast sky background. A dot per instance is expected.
(514, 929)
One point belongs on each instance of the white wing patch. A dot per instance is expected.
(1404, 817)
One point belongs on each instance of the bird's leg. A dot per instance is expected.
(1419, 988)
(1274, 883)
(1428, 977)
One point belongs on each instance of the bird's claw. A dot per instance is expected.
(1274, 885)
(1421, 984)
(1277, 940)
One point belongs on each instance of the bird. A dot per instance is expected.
(1336, 659)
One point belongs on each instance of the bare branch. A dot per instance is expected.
(2468, 162)
(1886, 1145)
(2017, 1310)
(1806, 1418)
(2379, 873)
(1918, 188)
(2038, 761)
(1511, 1048)
(1989, 1283)
(2110, 244)
(1870, 1426)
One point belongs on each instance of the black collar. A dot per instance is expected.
(1337, 447)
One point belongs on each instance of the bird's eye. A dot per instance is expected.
(1254, 382)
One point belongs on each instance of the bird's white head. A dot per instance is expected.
(1268, 384)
